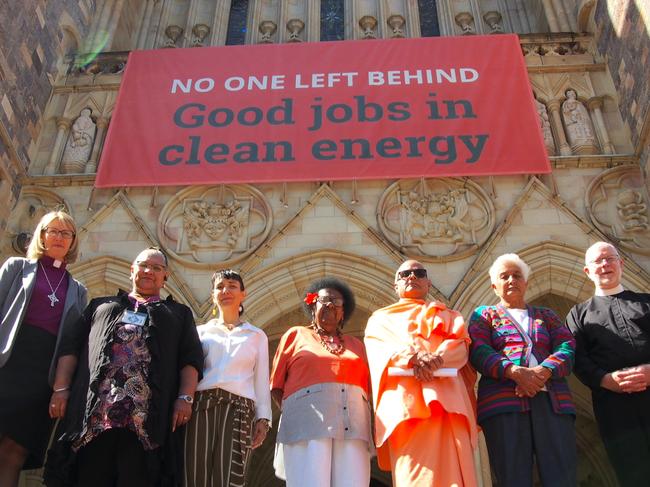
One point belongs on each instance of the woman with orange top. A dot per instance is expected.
(320, 381)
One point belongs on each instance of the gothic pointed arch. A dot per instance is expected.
(104, 276)
(556, 268)
(276, 292)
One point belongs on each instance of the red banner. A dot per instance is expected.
(432, 107)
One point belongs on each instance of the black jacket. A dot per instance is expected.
(173, 343)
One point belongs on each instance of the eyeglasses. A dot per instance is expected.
(330, 299)
(418, 273)
(150, 266)
(53, 232)
(608, 259)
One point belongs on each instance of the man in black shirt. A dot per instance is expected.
(612, 332)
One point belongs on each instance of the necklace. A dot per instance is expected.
(327, 341)
(53, 298)
(230, 326)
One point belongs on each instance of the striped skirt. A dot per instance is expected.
(218, 439)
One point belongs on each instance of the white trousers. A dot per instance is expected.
(323, 463)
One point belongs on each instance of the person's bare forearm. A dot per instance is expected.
(65, 369)
(276, 395)
(189, 379)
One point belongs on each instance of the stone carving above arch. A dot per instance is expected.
(618, 205)
(32, 205)
(217, 226)
(556, 268)
(436, 219)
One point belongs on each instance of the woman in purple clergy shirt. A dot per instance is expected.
(38, 297)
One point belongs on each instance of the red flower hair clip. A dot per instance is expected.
(311, 298)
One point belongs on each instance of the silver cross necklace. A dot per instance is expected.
(53, 298)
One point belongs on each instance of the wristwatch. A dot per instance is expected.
(187, 398)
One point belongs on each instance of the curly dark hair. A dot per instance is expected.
(331, 283)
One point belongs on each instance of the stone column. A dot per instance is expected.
(561, 15)
(523, 19)
(63, 125)
(190, 22)
(91, 167)
(550, 16)
(572, 10)
(101, 31)
(556, 121)
(594, 105)
(144, 25)
(112, 25)
(88, 43)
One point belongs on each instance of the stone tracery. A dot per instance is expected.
(617, 202)
(202, 226)
(439, 219)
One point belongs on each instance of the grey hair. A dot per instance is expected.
(155, 251)
(508, 259)
(600, 244)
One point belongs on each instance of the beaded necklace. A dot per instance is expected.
(327, 341)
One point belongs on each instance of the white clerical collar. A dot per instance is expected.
(609, 292)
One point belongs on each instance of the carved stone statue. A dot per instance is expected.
(465, 21)
(396, 23)
(368, 24)
(173, 34)
(200, 32)
(580, 133)
(545, 125)
(493, 20)
(80, 144)
(295, 27)
(267, 28)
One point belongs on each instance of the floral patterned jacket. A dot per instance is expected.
(499, 342)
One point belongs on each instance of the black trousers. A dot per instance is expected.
(115, 458)
(624, 424)
(514, 438)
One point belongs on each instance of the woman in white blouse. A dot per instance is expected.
(232, 409)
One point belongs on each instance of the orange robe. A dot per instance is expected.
(425, 433)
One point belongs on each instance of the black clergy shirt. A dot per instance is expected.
(611, 332)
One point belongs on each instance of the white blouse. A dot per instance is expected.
(237, 361)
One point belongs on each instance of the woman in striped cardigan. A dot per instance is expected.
(523, 353)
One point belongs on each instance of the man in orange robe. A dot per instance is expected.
(425, 425)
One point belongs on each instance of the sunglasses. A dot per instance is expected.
(418, 273)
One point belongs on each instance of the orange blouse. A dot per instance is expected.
(301, 360)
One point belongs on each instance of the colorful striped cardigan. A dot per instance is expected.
(498, 343)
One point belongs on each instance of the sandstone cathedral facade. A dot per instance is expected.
(61, 65)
